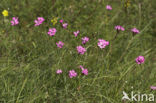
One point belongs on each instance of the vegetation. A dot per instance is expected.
(29, 57)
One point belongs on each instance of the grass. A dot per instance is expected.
(29, 57)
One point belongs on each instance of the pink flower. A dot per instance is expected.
(14, 21)
(60, 44)
(108, 7)
(76, 33)
(81, 50)
(118, 28)
(85, 40)
(81, 67)
(153, 87)
(72, 73)
(135, 30)
(102, 43)
(65, 25)
(59, 71)
(39, 21)
(61, 21)
(85, 71)
(52, 31)
(140, 60)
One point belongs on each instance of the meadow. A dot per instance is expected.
(77, 51)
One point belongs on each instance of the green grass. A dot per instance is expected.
(29, 57)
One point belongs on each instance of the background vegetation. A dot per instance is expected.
(29, 57)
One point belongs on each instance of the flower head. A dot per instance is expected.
(39, 21)
(65, 25)
(81, 67)
(135, 30)
(153, 87)
(72, 73)
(59, 71)
(61, 21)
(76, 33)
(60, 44)
(14, 21)
(85, 71)
(52, 31)
(81, 50)
(108, 7)
(54, 20)
(85, 40)
(102, 43)
(5, 13)
(127, 3)
(140, 60)
(119, 28)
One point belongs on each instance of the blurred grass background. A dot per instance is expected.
(29, 58)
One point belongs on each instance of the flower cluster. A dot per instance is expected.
(81, 50)
(60, 44)
(52, 31)
(73, 73)
(39, 21)
(102, 43)
(14, 21)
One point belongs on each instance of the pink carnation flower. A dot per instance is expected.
(102, 43)
(60, 44)
(59, 71)
(85, 71)
(61, 21)
(119, 28)
(140, 60)
(81, 67)
(81, 50)
(85, 40)
(39, 21)
(153, 87)
(65, 25)
(14, 21)
(52, 31)
(76, 33)
(135, 30)
(108, 7)
(72, 73)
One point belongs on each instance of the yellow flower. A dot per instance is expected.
(127, 4)
(54, 20)
(5, 13)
